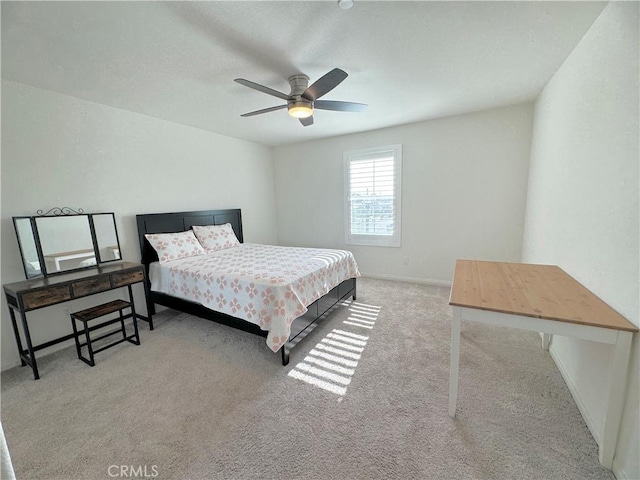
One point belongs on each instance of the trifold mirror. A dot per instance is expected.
(64, 240)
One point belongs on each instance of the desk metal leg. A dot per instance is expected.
(16, 332)
(617, 392)
(455, 361)
(32, 354)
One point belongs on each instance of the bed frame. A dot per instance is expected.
(182, 221)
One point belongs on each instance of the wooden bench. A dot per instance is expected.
(89, 314)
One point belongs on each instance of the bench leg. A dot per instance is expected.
(89, 348)
(124, 330)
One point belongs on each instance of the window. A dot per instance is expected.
(372, 194)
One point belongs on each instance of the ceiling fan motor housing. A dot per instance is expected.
(299, 83)
(297, 105)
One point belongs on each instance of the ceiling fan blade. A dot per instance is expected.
(261, 88)
(339, 106)
(325, 84)
(306, 121)
(264, 110)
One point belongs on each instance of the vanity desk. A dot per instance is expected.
(23, 297)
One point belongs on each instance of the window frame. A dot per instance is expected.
(350, 238)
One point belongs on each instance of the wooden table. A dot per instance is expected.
(42, 292)
(541, 298)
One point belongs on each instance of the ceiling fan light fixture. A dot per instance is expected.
(304, 99)
(300, 109)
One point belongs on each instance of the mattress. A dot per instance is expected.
(267, 285)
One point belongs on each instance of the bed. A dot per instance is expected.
(280, 293)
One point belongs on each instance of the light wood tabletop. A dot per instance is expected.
(544, 299)
(540, 291)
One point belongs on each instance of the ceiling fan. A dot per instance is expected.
(303, 98)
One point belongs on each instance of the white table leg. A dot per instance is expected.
(617, 392)
(455, 361)
(546, 341)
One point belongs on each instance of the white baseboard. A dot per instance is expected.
(6, 365)
(619, 473)
(10, 364)
(426, 281)
(595, 432)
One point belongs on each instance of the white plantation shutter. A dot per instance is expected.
(372, 187)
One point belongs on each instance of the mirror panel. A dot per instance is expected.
(27, 245)
(63, 240)
(104, 225)
(66, 243)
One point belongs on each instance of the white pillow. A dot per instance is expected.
(172, 246)
(216, 237)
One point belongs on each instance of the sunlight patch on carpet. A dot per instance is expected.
(361, 315)
(332, 363)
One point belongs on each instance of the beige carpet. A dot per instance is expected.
(198, 400)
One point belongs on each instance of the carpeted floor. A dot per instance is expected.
(198, 400)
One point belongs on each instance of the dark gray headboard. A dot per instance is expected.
(180, 222)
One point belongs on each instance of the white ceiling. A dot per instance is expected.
(409, 61)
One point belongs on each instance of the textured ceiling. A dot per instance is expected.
(409, 61)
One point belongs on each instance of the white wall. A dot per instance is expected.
(463, 192)
(582, 207)
(62, 151)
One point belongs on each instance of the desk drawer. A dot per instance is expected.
(43, 298)
(127, 278)
(91, 286)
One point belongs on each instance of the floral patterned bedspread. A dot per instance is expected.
(267, 285)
